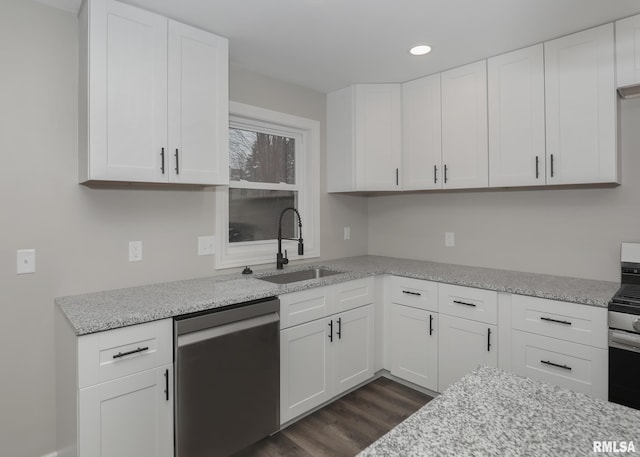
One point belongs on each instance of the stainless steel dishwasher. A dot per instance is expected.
(227, 388)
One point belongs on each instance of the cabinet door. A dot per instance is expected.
(516, 118)
(198, 106)
(352, 348)
(340, 140)
(581, 108)
(305, 369)
(421, 134)
(628, 51)
(464, 126)
(128, 92)
(128, 417)
(378, 136)
(414, 345)
(464, 344)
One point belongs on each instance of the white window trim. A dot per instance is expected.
(262, 252)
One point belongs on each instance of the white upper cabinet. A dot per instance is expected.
(364, 138)
(516, 118)
(198, 106)
(153, 98)
(628, 51)
(422, 134)
(581, 108)
(464, 126)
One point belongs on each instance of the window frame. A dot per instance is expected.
(307, 135)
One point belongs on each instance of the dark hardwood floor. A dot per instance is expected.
(346, 426)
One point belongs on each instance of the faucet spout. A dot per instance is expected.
(281, 259)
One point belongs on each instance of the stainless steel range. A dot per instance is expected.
(624, 332)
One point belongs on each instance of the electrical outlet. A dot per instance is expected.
(449, 240)
(347, 233)
(206, 245)
(25, 261)
(135, 251)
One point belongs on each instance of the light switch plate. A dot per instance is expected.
(206, 245)
(347, 233)
(449, 240)
(135, 251)
(25, 261)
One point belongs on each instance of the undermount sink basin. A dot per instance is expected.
(300, 275)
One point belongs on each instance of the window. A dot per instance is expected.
(273, 165)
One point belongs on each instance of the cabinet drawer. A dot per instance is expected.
(416, 293)
(352, 294)
(116, 353)
(567, 321)
(574, 366)
(304, 306)
(470, 303)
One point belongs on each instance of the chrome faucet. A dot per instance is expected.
(282, 260)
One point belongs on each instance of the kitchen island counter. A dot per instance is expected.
(491, 412)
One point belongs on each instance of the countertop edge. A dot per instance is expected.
(132, 310)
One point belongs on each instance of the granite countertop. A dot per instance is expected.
(94, 312)
(491, 412)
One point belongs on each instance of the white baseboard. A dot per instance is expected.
(53, 454)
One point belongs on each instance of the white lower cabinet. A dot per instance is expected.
(305, 368)
(414, 345)
(115, 391)
(464, 344)
(575, 366)
(352, 348)
(565, 344)
(128, 417)
(323, 358)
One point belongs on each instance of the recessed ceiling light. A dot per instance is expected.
(420, 49)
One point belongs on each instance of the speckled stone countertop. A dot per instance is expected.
(94, 312)
(491, 412)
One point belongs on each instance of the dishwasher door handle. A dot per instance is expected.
(225, 329)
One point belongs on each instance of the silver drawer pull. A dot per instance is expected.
(411, 293)
(135, 351)
(564, 367)
(548, 319)
(464, 303)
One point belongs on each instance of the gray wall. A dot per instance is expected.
(569, 232)
(81, 234)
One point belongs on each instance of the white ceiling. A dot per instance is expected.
(329, 44)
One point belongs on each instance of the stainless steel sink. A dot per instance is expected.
(300, 275)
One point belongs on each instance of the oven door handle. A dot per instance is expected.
(624, 340)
